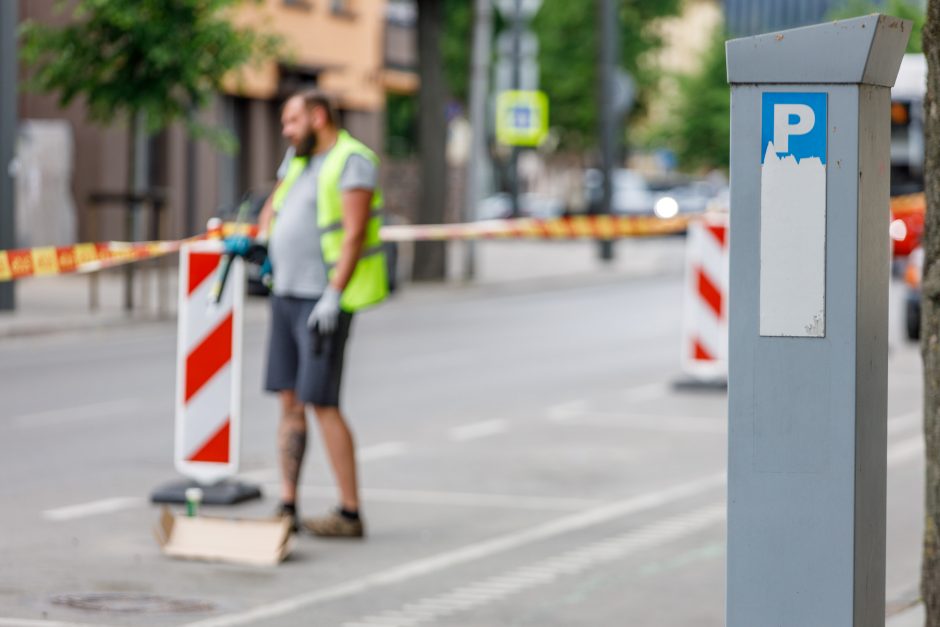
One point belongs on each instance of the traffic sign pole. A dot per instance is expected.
(8, 120)
(808, 323)
(516, 64)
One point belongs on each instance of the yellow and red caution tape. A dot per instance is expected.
(53, 260)
(574, 227)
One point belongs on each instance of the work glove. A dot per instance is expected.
(267, 273)
(325, 315)
(237, 245)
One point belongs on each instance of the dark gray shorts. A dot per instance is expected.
(295, 363)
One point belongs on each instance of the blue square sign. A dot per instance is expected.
(795, 123)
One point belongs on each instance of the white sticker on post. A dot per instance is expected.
(793, 214)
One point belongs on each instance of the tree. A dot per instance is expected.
(568, 48)
(699, 123)
(429, 261)
(907, 9)
(930, 319)
(147, 63)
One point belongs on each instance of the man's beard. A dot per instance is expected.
(306, 145)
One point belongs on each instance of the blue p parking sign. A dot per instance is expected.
(793, 214)
(795, 124)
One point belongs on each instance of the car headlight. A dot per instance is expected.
(666, 207)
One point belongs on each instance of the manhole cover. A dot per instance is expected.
(131, 603)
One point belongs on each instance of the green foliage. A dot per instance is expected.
(699, 126)
(162, 59)
(569, 44)
(568, 48)
(907, 9)
(456, 47)
(401, 125)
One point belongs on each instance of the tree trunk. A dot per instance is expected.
(430, 257)
(129, 222)
(930, 320)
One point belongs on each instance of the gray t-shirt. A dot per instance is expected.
(294, 245)
(285, 162)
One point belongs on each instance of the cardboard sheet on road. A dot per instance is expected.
(256, 542)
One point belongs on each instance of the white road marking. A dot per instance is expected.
(78, 413)
(478, 430)
(261, 475)
(524, 578)
(905, 421)
(906, 450)
(26, 622)
(648, 422)
(104, 506)
(497, 588)
(567, 411)
(380, 451)
(897, 454)
(648, 392)
(469, 553)
(428, 497)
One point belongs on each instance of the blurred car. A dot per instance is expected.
(912, 279)
(907, 223)
(499, 206)
(248, 211)
(633, 194)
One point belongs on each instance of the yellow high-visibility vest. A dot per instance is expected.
(369, 283)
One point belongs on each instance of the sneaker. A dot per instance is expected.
(283, 512)
(335, 525)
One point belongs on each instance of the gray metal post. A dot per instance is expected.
(609, 27)
(516, 82)
(808, 313)
(479, 153)
(8, 120)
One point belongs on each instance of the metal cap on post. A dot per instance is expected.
(810, 141)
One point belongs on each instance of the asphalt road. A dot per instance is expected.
(524, 456)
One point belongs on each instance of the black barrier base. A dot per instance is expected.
(222, 493)
(700, 385)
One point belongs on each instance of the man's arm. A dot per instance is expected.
(357, 207)
(267, 214)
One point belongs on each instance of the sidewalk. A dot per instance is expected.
(61, 303)
(912, 617)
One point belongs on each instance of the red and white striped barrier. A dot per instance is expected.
(705, 300)
(208, 366)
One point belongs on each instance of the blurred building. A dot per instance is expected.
(356, 50)
(750, 17)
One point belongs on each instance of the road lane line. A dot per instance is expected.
(905, 421)
(477, 430)
(78, 413)
(569, 410)
(104, 506)
(648, 392)
(430, 497)
(649, 422)
(898, 453)
(472, 552)
(380, 451)
(521, 579)
(27, 622)
(905, 450)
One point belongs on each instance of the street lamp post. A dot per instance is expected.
(8, 118)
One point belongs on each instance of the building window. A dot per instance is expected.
(306, 5)
(342, 8)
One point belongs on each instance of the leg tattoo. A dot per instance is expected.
(292, 442)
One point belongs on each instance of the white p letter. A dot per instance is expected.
(806, 120)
